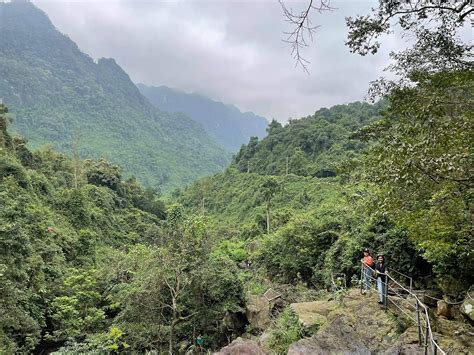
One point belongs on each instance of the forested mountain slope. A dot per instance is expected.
(60, 96)
(310, 146)
(225, 123)
(315, 191)
(301, 223)
(85, 255)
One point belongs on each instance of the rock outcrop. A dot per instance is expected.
(358, 326)
(258, 312)
(313, 314)
(259, 308)
(337, 338)
(467, 308)
(241, 346)
(443, 309)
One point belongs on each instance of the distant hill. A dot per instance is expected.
(225, 123)
(315, 145)
(60, 96)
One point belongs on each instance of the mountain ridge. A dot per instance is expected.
(224, 122)
(58, 93)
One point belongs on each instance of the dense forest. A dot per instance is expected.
(85, 255)
(91, 260)
(311, 146)
(62, 97)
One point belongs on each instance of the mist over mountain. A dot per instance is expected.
(225, 123)
(61, 96)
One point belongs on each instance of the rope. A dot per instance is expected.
(449, 302)
(399, 284)
(402, 274)
(414, 307)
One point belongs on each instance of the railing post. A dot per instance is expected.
(411, 285)
(418, 321)
(385, 291)
(427, 335)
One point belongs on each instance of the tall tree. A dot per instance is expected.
(422, 163)
(269, 189)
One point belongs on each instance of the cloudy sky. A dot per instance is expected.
(231, 51)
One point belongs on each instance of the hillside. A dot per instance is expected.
(225, 123)
(302, 222)
(60, 96)
(235, 200)
(315, 145)
(80, 248)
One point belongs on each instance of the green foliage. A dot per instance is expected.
(77, 312)
(50, 232)
(60, 96)
(296, 249)
(233, 249)
(286, 331)
(102, 173)
(236, 205)
(421, 162)
(115, 338)
(319, 225)
(316, 145)
(167, 292)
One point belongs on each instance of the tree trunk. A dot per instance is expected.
(173, 324)
(268, 218)
(171, 337)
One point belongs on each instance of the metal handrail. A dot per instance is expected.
(410, 279)
(425, 336)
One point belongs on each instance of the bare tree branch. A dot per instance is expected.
(409, 14)
(303, 29)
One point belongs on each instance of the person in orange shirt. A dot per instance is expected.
(367, 269)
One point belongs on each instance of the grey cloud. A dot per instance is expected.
(228, 50)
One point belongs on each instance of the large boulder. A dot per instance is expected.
(444, 310)
(313, 314)
(357, 325)
(467, 308)
(338, 338)
(241, 346)
(259, 308)
(257, 311)
(431, 296)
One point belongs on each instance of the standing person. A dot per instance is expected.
(381, 271)
(367, 269)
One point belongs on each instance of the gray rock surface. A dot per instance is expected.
(337, 338)
(258, 312)
(241, 346)
(467, 308)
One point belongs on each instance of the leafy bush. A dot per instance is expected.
(9, 167)
(285, 331)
